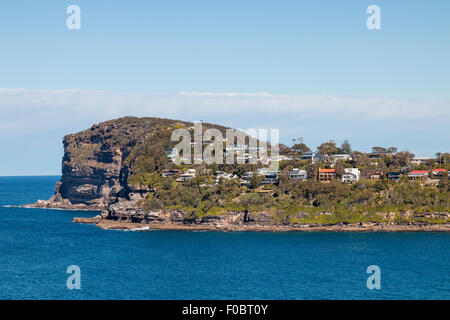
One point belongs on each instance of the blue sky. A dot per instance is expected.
(298, 52)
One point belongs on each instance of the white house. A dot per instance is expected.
(341, 157)
(351, 175)
(270, 176)
(188, 175)
(297, 174)
(422, 160)
(224, 176)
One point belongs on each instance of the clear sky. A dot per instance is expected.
(308, 60)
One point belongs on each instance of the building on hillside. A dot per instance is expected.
(311, 156)
(418, 174)
(394, 175)
(327, 175)
(187, 176)
(170, 173)
(375, 175)
(437, 173)
(248, 175)
(351, 175)
(422, 160)
(297, 174)
(341, 157)
(224, 176)
(279, 158)
(270, 176)
(379, 155)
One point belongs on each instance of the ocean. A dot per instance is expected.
(37, 246)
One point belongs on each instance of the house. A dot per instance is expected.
(311, 156)
(170, 153)
(379, 155)
(351, 175)
(279, 158)
(169, 173)
(297, 174)
(188, 175)
(394, 175)
(341, 157)
(327, 175)
(437, 173)
(422, 160)
(270, 176)
(418, 174)
(224, 176)
(375, 175)
(245, 181)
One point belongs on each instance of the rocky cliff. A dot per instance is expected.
(115, 167)
(94, 169)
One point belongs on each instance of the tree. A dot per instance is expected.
(328, 148)
(301, 147)
(255, 181)
(379, 150)
(346, 147)
(402, 158)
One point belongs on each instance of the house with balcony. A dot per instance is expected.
(421, 160)
(375, 175)
(166, 173)
(270, 176)
(187, 176)
(351, 175)
(327, 175)
(394, 175)
(341, 157)
(437, 173)
(297, 174)
(418, 174)
(311, 156)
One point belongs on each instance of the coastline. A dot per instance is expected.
(101, 221)
(126, 225)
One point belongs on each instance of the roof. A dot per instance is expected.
(327, 170)
(419, 171)
(439, 170)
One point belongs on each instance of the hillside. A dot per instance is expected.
(122, 167)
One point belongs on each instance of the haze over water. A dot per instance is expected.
(37, 245)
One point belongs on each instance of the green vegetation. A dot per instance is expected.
(143, 144)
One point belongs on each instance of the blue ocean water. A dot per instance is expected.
(37, 245)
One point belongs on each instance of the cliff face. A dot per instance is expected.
(94, 173)
(94, 180)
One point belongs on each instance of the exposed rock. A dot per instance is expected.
(96, 173)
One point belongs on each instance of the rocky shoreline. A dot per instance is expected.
(125, 225)
(126, 215)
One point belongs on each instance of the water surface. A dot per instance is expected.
(37, 245)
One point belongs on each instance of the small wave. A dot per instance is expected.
(138, 229)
